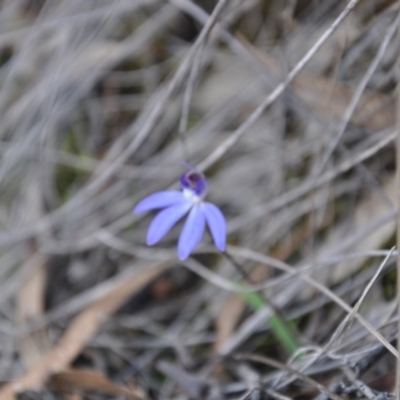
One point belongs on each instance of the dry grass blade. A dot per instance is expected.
(288, 106)
(350, 317)
(79, 332)
(375, 111)
(250, 254)
(397, 380)
(278, 91)
(193, 386)
(275, 364)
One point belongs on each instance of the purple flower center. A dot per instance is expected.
(195, 182)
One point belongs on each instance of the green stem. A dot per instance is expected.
(281, 329)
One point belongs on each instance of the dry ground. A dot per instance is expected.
(288, 107)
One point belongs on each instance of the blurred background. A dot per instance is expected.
(101, 102)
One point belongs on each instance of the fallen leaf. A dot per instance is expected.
(232, 310)
(227, 320)
(80, 331)
(86, 380)
(30, 306)
(31, 295)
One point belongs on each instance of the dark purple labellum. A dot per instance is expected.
(194, 181)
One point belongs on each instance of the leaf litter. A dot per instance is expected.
(101, 103)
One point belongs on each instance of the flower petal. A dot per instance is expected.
(217, 224)
(165, 220)
(159, 200)
(192, 232)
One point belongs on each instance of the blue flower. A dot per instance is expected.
(175, 205)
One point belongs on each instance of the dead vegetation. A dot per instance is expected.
(288, 107)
